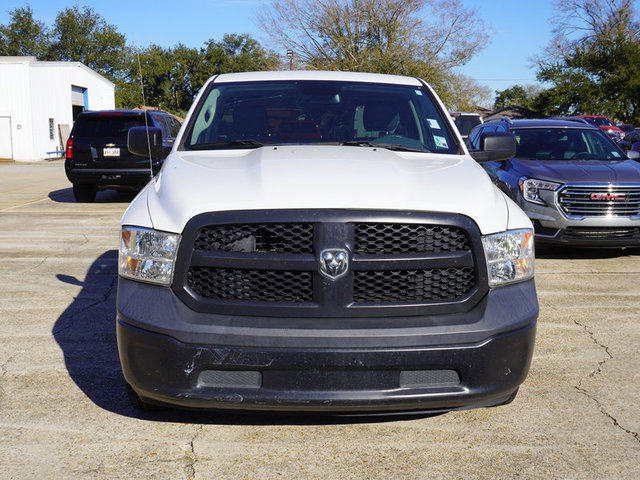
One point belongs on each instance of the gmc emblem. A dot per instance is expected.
(611, 196)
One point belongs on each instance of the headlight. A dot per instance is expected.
(509, 256)
(147, 255)
(530, 188)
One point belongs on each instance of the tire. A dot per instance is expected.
(84, 193)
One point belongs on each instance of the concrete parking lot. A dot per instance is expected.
(64, 412)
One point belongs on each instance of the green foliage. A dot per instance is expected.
(598, 73)
(237, 53)
(171, 77)
(23, 36)
(82, 35)
(516, 95)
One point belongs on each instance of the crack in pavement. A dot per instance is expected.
(72, 316)
(44, 259)
(595, 372)
(4, 370)
(190, 467)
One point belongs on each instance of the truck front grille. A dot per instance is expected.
(258, 237)
(412, 285)
(386, 238)
(251, 285)
(398, 263)
(598, 201)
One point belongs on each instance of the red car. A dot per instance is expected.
(605, 124)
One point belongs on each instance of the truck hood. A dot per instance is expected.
(322, 177)
(580, 171)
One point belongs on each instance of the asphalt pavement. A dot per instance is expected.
(64, 412)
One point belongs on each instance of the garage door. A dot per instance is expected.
(6, 150)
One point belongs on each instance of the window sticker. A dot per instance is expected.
(433, 123)
(441, 142)
(418, 92)
(615, 154)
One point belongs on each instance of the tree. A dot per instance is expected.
(593, 65)
(523, 96)
(23, 35)
(173, 76)
(82, 35)
(462, 93)
(236, 53)
(426, 38)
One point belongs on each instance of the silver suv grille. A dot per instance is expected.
(609, 200)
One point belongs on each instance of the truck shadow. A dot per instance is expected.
(86, 334)
(65, 195)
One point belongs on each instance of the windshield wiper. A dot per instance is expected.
(248, 143)
(388, 146)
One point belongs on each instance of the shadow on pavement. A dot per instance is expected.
(577, 253)
(65, 195)
(86, 334)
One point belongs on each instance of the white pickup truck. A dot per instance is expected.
(323, 242)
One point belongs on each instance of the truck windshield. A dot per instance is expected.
(253, 114)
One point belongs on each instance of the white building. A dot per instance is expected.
(39, 101)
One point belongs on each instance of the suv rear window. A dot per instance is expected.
(106, 126)
(466, 123)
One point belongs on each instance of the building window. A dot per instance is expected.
(52, 129)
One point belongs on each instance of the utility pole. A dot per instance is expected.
(290, 55)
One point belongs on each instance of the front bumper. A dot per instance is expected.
(173, 355)
(553, 227)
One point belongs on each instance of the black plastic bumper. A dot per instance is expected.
(110, 177)
(442, 365)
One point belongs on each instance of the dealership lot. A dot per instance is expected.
(64, 413)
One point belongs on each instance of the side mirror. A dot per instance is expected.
(141, 140)
(633, 155)
(495, 146)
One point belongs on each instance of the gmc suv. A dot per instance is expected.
(323, 242)
(574, 182)
(97, 157)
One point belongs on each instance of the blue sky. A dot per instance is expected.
(520, 29)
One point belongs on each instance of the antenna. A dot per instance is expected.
(146, 119)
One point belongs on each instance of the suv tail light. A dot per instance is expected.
(69, 151)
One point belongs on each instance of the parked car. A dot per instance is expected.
(96, 152)
(465, 122)
(631, 141)
(605, 125)
(577, 186)
(626, 128)
(323, 242)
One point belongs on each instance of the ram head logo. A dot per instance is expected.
(334, 263)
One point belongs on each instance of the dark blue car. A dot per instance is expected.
(576, 184)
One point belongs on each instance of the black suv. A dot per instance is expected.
(97, 157)
(577, 186)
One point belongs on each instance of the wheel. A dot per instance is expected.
(84, 193)
(136, 402)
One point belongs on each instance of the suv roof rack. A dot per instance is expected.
(502, 119)
(570, 119)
